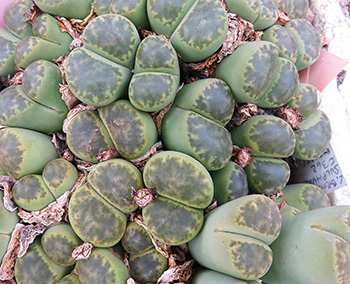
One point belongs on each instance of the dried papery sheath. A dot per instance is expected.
(290, 115)
(142, 197)
(178, 273)
(141, 161)
(242, 155)
(83, 251)
(6, 183)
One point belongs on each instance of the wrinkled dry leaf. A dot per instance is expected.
(84, 165)
(140, 162)
(67, 27)
(159, 115)
(80, 25)
(164, 249)
(61, 63)
(73, 112)
(6, 183)
(178, 273)
(243, 113)
(34, 12)
(290, 115)
(50, 215)
(283, 18)
(211, 207)
(142, 197)
(281, 205)
(273, 197)
(107, 154)
(83, 251)
(68, 97)
(242, 155)
(17, 78)
(82, 178)
(178, 255)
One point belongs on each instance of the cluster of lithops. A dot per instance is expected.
(132, 92)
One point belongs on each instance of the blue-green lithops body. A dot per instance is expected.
(313, 137)
(207, 276)
(156, 77)
(70, 279)
(266, 135)
(210, 97)
(8, 44)
(21, 151)
(235, 237)
(102, 267)
(197, 136)
(136, 239)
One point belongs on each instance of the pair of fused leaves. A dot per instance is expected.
(35, 191)
(112, 46)
(97, 210)
(36, 104)
(195, 123)
(195, 28)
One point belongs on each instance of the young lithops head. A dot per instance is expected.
(196, 28)
(304, 196)
(102, 267)
(210, 97)
(58, 242)
(297, 9)
(8, 44)
(135, 11)
(313, 247)
(197, 136)
(268, 15)
(31, 193)
(249, 70)
(306, 99)
(35, 267)
(76, 9)
(147, 267)
(132, 131)
(235, 237)
(308, 42)
(48, 42)
(157, 73)
(94, 220)
(183, 187)
(207, 276)
(113, 180)
(267, 175)
(266, 135)
(60, 176)
(230, 182)
(313, 137)
(22, 151)
(136, 239)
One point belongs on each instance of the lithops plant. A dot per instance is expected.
(235, 237)
(37, 267)
(267, 175)
(135, 11)
(266, 135)
(37, 103)
(102, 267)
(146, 263)
(207, 276)
(97, 210)
(118, 125)
(195, 28)
(230, 182)
(260, 76)
(184, 188)
(110, 43)
(156, 75)
(313, 247)
(191, 133)
(21, 151)
(76, 9)
(70, 279)
(58, 242)
(313, 137)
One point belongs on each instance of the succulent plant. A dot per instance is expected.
(37, 103)
(306, 99)
(156, 75)
(235, 237)
(313, 137)
(266, 135)
(195, 28)
(58, 242)
(34, 192)
(267, 175)
(184, 187)
(313, 247)
(102, 267)
(22, 150)
(230, 182)
(197, 136)
(211, 98)
(207, 276)
(36, 267)
(135, 11)
(8, 44)
(136, 239)
(77, 9)
(97, 210)
(119, 125)
(110, 43)
(69, 279)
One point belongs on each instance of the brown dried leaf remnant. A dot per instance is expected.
(290, 115)
(34, 12)
(83, 251)
(243, 113)
(140, 162)
(179, 273)
(6, 183)
(142, 197)
(242, 156)
(105, 155)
